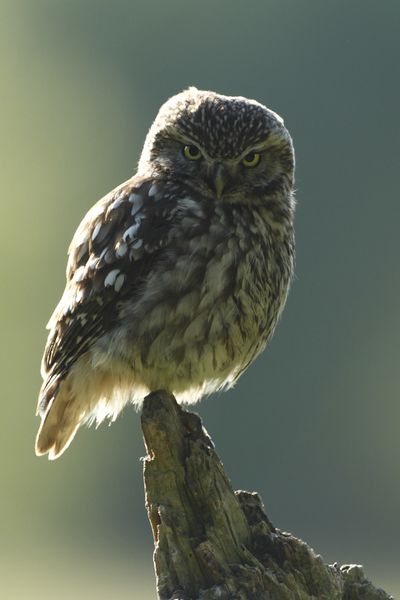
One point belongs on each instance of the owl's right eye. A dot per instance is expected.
(191, 152)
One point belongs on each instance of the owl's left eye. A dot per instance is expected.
(191, 152)
(251, 159)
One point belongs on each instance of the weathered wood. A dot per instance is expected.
(213, 543)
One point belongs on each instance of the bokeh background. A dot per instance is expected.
(314, 425)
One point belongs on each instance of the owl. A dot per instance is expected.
(177, 278)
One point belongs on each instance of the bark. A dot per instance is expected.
(213, 543)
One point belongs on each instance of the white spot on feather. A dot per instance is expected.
(119, 282)
(92, 262)
(153, 190)
(79, 295)
(135, 210)
(96, 230)
(82, 249)
(107, 255)
(111, 277)
(82, 318)
(121, 249)
(80, 237)
(117, 203)
(79, 274)
(137, 201)
(131, 232)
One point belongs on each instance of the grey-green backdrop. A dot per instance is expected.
(314, 424)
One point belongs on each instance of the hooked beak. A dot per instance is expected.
(220, 178)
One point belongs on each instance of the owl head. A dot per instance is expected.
(225, 148)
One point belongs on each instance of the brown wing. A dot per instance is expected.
(113, 248)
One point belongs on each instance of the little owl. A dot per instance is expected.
(177, 278)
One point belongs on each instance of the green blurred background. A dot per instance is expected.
(314, 425)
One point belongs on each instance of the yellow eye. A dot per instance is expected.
(191, 152)
(251, 159)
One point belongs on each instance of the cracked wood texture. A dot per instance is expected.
(213, 543)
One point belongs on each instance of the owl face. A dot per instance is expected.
(224, 148)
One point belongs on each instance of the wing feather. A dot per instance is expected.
(113, 248)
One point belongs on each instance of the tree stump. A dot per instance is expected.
(212, 543)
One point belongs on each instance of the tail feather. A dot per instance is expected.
(82, 395)
(60, 421)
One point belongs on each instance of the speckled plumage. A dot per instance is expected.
(176, 279)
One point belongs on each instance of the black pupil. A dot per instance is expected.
(193, 151)
(249, 157)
